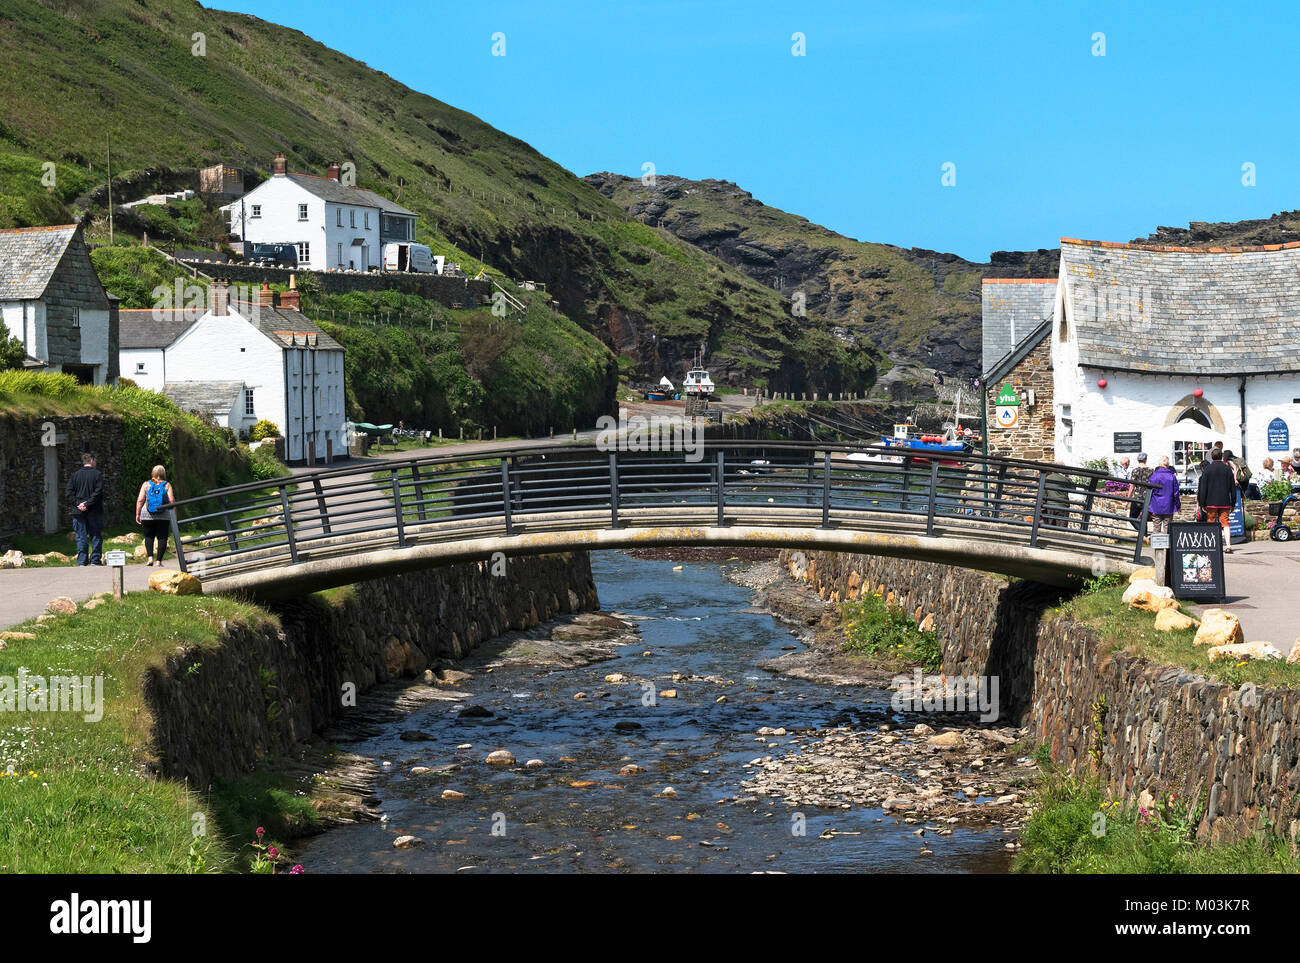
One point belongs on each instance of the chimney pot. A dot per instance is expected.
(265, 296)
(279, 166)
(332, 172)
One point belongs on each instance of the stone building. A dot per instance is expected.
(1018, 365)
(51, 300)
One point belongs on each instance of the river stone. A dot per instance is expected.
(615, 677)
(947, 740)
(500, 757)
(420, 770)
(668, 694)
(534, 764)
(406, 842)
(415, 735)
(631, 769)
(627, 725)
(452, 794)
(475, 712)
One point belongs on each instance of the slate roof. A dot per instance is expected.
(1172, 310)
(150, 328)
(1013, 303)
(28, 257)
(1003, 366)
(332, 190)
(209, 397)
(285, 326)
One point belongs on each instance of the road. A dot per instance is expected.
(24, 592)
(1261, 579)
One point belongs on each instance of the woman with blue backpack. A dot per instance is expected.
(153, 511)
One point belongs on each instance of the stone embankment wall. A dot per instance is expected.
(220, 708)
(1234, 751)
(22, 467)
(454, 292)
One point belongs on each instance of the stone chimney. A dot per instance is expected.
(279, 166)
(220, 297)
(332, 172)
(266, 298)
(290, 299)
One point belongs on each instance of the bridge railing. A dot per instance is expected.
(433, 498)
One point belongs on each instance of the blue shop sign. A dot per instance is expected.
(1279, 436)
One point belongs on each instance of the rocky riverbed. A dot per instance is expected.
(679, 731)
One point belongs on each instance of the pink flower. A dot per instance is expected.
(297, 870)
(272, 852)
(260, 832)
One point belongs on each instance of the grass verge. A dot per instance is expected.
(888, 635)
(77, 793)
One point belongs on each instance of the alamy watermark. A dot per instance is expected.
(57, 693)
(936, 693)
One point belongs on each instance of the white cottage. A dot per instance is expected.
(242, 361)
(1167, 349)
(52, 301)
(333, 226)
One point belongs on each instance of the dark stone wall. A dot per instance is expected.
(454, 292)
(22, 468)
(218, 709)
(1163, 729)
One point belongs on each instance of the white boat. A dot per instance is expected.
(697, 382)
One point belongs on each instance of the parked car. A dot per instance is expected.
(274, 255)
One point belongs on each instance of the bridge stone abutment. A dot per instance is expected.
(1235, 751)
(219, 709)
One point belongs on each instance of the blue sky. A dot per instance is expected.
(1047, 139)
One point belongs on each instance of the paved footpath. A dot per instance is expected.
(1262, 581)
(24, 592)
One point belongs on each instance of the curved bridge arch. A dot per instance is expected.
(319, 529)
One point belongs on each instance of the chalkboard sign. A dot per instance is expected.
(1279, 436)
(1196, 561)
(1128, 441)
(1237, 522)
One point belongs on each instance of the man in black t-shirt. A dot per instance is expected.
(85, 493)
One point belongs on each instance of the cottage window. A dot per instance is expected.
(340, 257)
(248, 401)
(304, 252)
(139, 367)
(367, 214)
(352, 216)
(255, 210)
(338, 217)
(302, 212)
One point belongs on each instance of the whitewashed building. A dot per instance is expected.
(242, 361)
(1149, 348)
(1168, 349)
(333, 226)
(52, 301)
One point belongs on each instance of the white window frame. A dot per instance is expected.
(254, 210)
(340, 257)
(302, 212)
(250, 410)
(367, 215)
(338, 217)
(352, 216)
(304, 252)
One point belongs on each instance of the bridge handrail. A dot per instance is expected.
(276, 520)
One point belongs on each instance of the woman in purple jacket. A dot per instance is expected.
(1165, 501)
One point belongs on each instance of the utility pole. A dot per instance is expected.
(110, 188)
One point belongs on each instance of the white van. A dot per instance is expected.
(411, 257)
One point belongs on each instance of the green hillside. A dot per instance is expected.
(125, 68)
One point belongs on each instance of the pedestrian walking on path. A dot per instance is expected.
(1217, 494)
(153, 512)
(85, 493)
(1165, 501)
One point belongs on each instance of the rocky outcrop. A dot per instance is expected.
(218, 709)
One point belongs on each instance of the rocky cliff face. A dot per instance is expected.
(917, 306)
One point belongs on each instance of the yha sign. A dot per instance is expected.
(1007, 404)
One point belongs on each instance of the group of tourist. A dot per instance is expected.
(153, 512)
(1224, 477)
